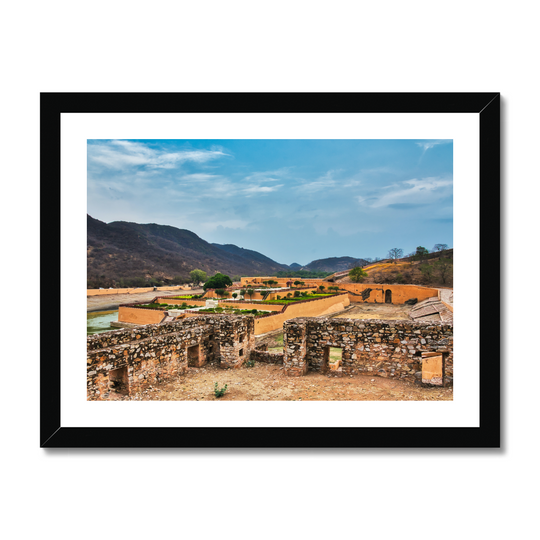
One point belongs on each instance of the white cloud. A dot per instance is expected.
(120, 155)
(431, 144)
(268, 176)
(261, 189)
(417, 191)
(199, 177)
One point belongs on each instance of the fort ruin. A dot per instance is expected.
(123, 362)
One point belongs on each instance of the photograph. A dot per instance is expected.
(270, 269)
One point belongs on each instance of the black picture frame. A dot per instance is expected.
(485, 105)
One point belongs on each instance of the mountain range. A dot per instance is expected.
(123, 249)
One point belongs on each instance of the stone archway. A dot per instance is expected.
(388, 296)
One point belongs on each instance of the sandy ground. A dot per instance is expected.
(269, 383)
(377, 311)
(112, 301)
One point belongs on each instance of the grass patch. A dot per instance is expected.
(297, 299)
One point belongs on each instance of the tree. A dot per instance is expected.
(243, 293)
(444, 268)
(427, 272)
(421, 253)
(219, 281)
(357, 274)
(197, 276)
(297, 283)
(395, 253)
(440, 247)
(234, 295)
(220, 292)
(321, 288)
(250, 293)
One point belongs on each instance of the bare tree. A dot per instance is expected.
(395, 253)
(440, 247)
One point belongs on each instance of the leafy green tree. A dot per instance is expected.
(243, 293)
(197, 276)
(357, 274)
(219, 281)
(421, 253)
(321, 288)
(234, 295)
(250, 293)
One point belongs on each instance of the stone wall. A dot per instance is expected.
(266, 357)
(383, 348)
(126, 361)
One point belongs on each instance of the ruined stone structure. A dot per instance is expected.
(127, 361)
(396, 349)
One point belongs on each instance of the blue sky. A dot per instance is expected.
(292, 200)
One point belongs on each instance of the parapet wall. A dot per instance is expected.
(132, 290)
(306, 308)
(365, 292)
(383, 348)
(137, 315)
(377, 293)
(273, 321)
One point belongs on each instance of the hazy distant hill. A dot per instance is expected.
(128, 250)
(254, 257)
(334, 264)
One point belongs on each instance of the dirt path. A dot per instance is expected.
(112, 301)
(269, 383)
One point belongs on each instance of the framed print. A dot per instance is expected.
(270, 270)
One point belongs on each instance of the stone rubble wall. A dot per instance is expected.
(267, 357)
(383, 348)
(161, 352)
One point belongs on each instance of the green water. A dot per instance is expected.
(100, 321)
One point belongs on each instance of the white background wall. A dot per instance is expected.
(271, 46)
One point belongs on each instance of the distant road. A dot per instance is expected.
(109, 302)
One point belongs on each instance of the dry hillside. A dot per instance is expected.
(436, 272)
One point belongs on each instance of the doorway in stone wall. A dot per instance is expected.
(388, 296)
(119, 382)
(193, 354)
(331, 358)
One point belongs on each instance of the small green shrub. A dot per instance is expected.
(219, 392)
(249, 363)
